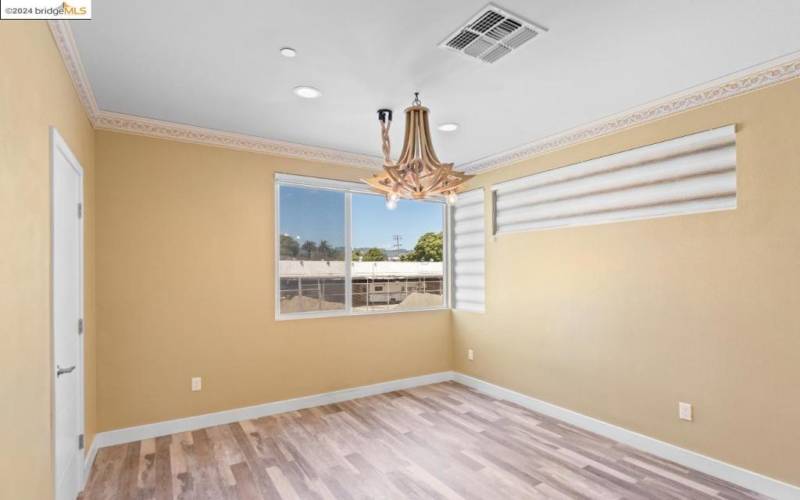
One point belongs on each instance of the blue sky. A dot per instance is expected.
(318, 215)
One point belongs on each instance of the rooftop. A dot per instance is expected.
(383, 269)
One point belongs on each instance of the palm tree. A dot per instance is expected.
(325, 250)
(310, 248)
(289, 247)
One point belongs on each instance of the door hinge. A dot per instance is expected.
(80, 442)
(80, 326)
(80, 210)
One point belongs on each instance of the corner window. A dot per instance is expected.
(342, 251)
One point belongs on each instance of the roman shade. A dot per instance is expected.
(694, 173)
(468, 252)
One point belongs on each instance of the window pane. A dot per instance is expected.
(311, 266)
(397, 254)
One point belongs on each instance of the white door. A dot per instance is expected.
(67, 258)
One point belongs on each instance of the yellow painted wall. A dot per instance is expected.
(185, 288)
(622, 321)
(35, 93)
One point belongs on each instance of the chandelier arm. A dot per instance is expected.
(375, 183)
(417, 187)
(442, 174)
(427, 143)
(443, 190)
(422, 148)
(423, 170)
(431, 164)
(391, 172)
(411, 116)
(405, 154)
(454, 180)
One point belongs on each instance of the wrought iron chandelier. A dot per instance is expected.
(418, 173)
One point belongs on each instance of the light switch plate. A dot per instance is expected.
(197, 383)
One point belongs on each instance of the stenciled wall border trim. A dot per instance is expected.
(770, 73)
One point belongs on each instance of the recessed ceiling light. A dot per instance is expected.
(448, 127)
(307, 92)
(288, 52)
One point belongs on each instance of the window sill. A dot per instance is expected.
(345, 314)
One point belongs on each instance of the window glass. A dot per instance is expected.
(397, 255)
(312, 250)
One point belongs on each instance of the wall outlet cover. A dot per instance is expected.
(685, 411)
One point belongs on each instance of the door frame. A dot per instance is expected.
(59, 145)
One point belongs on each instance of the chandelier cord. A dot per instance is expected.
(386, 145)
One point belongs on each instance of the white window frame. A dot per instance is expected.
(349, 188)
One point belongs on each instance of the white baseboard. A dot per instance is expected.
(88, 461)
(737, 475)
(130, 434)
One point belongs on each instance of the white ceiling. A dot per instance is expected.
(216, 64)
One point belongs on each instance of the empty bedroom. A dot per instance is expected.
(445, 249)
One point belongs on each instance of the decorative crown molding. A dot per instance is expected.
(62, 34)
(764, 75)
(118, 122)
(106, 120)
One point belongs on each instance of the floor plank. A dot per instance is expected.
(443, 441)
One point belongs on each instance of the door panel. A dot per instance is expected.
(67, 311)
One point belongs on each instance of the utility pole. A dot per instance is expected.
(397, 242)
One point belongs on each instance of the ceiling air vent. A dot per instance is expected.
(491, 34)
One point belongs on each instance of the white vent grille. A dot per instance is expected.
(491, 34)
(691, 174)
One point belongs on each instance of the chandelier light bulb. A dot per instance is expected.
(391, 202)
(452, 198)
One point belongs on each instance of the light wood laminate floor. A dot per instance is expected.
(438, 441)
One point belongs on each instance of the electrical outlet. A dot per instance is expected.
(685, 411)
(470, 354)
(197, 383)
